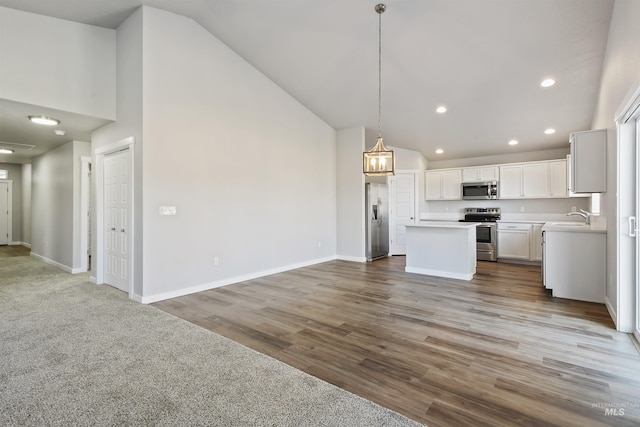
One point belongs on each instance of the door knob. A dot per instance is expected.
(122, 230)
(113, 229)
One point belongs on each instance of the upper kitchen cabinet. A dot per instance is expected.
(558, 178)
(588, 161)
(534, 180)
(511, 182)
(443, 184)
(480, 174)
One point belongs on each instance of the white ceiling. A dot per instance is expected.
(483, 59)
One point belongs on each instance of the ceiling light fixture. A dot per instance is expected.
(550, 131)
(441, 109)
(379, 161)
(6, 151)
(513, 142)
(42, 120)
(547, 83)
(439, 151)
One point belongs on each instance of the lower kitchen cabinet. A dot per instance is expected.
(575, 265)
(514, 241)
(536, 242)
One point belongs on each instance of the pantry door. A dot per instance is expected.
(117, 205)
(402, 210)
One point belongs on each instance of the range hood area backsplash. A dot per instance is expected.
(529, 209)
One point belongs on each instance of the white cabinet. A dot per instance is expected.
(589, 161)
(511, 182)
(520, 241)
(535, 252)
(558, 178)
(574, 265)
(534, 180)
(443, 184)
(514, 241)
(480, 174)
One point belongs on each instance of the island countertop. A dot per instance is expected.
(444, 224)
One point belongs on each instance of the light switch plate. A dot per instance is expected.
(167, 210)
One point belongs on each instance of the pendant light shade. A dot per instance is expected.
(379, 161)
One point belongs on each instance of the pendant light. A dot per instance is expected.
(379, 161)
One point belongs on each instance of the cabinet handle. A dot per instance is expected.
(632, 226)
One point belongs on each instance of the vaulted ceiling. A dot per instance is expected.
(482, 59)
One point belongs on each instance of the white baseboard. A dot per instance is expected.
(26, 245)
(224, 282)
(14, 243)
(439, 273)
(351, 258)
(52, 262)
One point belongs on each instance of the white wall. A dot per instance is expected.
(52, 206)
(26, 205)
(620, 76)
(128, 124)
(15, 174)
(237, 156)
(350, 194)
(57, 64)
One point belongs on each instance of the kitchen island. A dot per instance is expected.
(442, 248)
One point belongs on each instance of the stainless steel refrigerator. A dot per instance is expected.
(377, 220)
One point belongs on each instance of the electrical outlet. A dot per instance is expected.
(167, 210)
(216, 260)
(319, 244)
(521, 209)
(573, 208)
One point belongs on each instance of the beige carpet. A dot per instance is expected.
(73, 353)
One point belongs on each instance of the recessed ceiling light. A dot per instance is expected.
(513, 142)
(59, 132)
(439, 151)
(547, 83)
(5, 151)
(441, 109)
(550, 131)
(42, 120)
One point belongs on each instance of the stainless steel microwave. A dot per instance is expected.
(487, 190)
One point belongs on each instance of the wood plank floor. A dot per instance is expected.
(497, 350)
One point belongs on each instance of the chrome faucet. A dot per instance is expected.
(586, 215)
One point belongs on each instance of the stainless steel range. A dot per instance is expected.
(486, 233)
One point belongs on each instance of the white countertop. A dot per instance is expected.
(572, 226)
(444, 224)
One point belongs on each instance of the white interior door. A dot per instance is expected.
(116, 214)
(4, 213)
(401, 210)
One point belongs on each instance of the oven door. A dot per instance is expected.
(487, 242)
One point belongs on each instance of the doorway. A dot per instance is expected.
(628, 213)
(402, 210)
(114, 183)
(6, 208)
